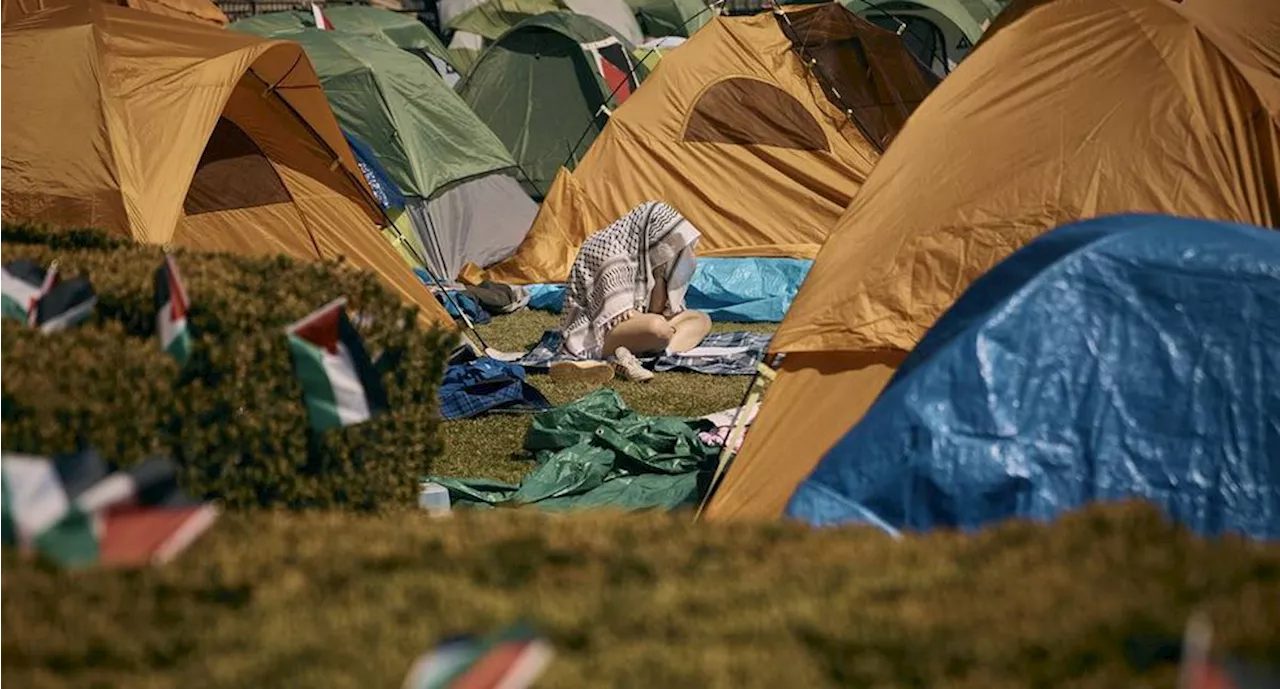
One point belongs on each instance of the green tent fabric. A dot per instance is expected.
(420, 130)
(463, 200)
(273, 22)
(597, 452)
(492, 18)
(404, 30)
(401, 30)
(940, 32)
(670, 17)
(540, 88)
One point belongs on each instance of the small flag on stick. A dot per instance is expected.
(75, 511)
(171, 311)
(340, 384)
(322, 22)
(37, 297)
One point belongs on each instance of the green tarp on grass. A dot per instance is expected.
(597, 452)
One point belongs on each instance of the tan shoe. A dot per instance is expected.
(594, 372)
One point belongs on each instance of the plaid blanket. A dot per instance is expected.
(548, 351)
(485, 385)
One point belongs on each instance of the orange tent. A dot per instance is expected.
(197, 10)
(171, 132)
(1067, 109)
(757, 148)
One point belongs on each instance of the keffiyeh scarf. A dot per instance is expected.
(612, 277)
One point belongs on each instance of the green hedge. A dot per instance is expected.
(328, 599)
(233, 417)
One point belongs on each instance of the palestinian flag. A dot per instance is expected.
(340, 384)
(23, 284)
(39, 298)
(74, 510)
(171, 311)
(69, 303)
(614, 66)
(511, 659)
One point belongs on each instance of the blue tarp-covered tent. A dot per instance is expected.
(1123, 357)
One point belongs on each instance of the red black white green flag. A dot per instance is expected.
(322, 22)
(340, 384)
(24, 283)
(40, 299)
(171, 311)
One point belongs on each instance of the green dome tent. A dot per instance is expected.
(940, 32)
(464, 203)
(545, 88)
(403, 31)
(492, 18)
(660, 18)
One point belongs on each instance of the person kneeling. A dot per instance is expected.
(625, 295)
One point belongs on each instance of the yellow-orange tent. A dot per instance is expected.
(756, 148)
(1068, 109)
(172, 132)
(197, 10)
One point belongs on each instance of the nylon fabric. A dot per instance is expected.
(144, 93)
(796, 196)
(1120, 106)
(1147, 388)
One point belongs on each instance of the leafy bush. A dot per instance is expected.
(233, 417)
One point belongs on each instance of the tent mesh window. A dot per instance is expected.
(232, 173)
(746, 112)
(863, 69)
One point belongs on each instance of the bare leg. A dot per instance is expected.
(691, 328)
(642, 333)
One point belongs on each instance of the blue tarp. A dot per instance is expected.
(1124, 357)
(737, 290)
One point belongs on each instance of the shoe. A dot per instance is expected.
(594, 372)
(629, 366)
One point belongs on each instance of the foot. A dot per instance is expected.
(629, 366)
(594, 372)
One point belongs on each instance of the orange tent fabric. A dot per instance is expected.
(171, 132)
(197, 10)
(1067, 109)
(737, 133)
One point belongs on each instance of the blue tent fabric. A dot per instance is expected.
(734, 290)
(386, 191)
(486, 385)
(1124, 357)
(746, 290)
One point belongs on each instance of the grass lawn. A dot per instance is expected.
(490, 447)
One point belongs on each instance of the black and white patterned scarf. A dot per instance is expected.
(612, 277)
